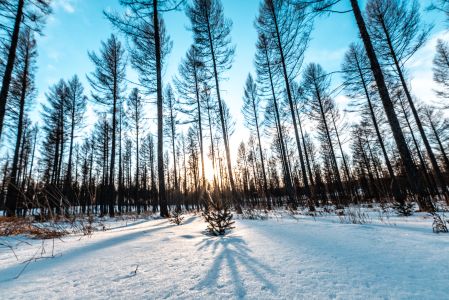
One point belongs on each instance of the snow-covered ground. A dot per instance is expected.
(279, 258)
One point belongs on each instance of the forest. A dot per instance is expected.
(303, 151)
(120, 151)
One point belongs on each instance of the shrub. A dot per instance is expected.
(404, 210)
(353, 216)
(218, 215)
(176, 216)
(252, 214)
(439, 224)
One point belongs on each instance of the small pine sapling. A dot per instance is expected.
(439, 224)
(218, 215)
(176, 216)
(404, 210)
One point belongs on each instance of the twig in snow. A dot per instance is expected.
(134, 273)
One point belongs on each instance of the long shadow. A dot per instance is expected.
(232, 253)
(189, 220)
(132, 224)
(374, 224)
(366, 259)
(12, 271)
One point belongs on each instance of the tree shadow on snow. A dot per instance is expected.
(9, 273)
(233, 253)
(189, 220)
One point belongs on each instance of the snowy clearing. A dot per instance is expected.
(279, 258)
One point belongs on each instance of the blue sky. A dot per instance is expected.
(78, 26)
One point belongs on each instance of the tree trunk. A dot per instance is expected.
(427, 176)
(222, 120)
(173, 140)
(200, 127)
(287, 177)
(329, 140)
(10, 63)
(13, 189)
(436, 167)
(397, 194)
(262, 160)
(160, 135)
(412, 174)
(290, 101)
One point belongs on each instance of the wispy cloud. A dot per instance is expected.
(420, 69)
(324, 56)
(67, 5)
(54, 55)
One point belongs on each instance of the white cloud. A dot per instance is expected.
(420, 69)
(66, 5)
(325, 56)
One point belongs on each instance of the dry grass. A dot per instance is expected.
(12, 226)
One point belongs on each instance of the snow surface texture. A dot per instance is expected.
(284, 258)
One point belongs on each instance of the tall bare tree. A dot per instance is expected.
(22, 91)
(265, 69)
(441, 70)
(251, 111)
(136, 117)
(188, 84)
(358, 83)
(288, 29)
(398, 32)
(76, 108)
(145, 28)
(211, 32)
(170, 107)
(107, 81)
(22, 13)
(326, 6)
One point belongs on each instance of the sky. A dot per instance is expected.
(79, 26)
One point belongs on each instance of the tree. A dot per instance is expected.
(135, 112)
(388, 107)
(170, 106)
(288, 30)
(325, 6)
(107, 83)
(76, 108)
(439, 127)
(30, 14)
(265, 75)
(316, 85)
(441, 69)
(299, 105)
(54, 112)
(188, 85)
(358, 83)
(145, 29)
(149, 155)
(211, 32)
(192, 149)
(441, 5)
(251, 112)
(22, 92)
(398, 32)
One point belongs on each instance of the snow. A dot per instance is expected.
(280, 258)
